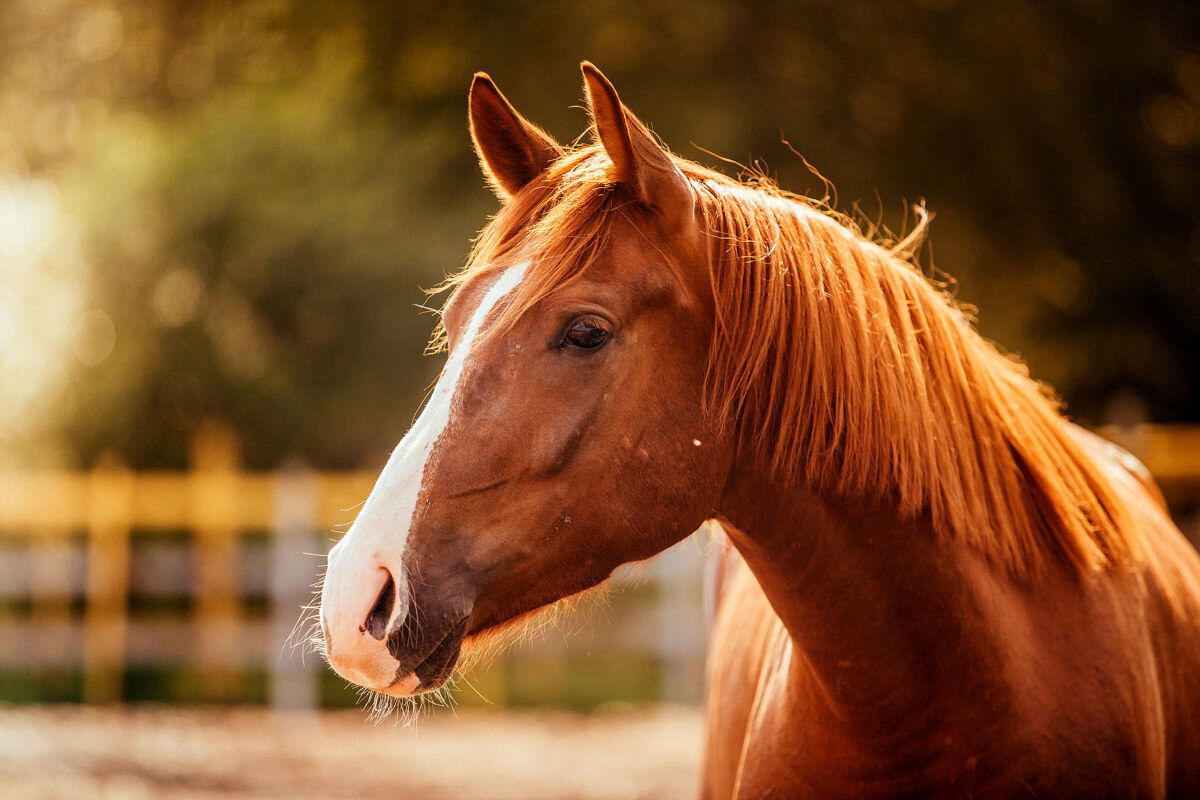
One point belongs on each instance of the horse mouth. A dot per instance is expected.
(436, 668)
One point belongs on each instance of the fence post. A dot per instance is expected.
(50, 590)
(216, 508)
(295, 674)
(680, 641)
(106, 617)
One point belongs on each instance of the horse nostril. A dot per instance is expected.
(377, 619)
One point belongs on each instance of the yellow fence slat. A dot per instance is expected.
(162, 501)
(110, 501)
(216, 509)
(43, 499)
(1172, 453)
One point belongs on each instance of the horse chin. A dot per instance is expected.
(435, 669)
(403, 687)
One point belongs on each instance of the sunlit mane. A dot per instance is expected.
(837, 360)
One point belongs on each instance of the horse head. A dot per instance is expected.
(567, 433)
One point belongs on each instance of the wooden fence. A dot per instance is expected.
(215, 503)
(296, 514)
(67, 539)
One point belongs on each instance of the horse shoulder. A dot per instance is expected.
(1169, 577)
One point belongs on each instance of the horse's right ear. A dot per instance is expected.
(512, 150)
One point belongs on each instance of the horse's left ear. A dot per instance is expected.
(639, 162)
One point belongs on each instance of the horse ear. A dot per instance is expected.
(512, 150)
(638, 161)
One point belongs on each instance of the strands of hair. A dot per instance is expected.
(478, 651)
(860, 378)
(569, 615)
(837, 358)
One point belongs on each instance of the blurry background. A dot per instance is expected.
(216, 220)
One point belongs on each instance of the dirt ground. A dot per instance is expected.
(79, 752)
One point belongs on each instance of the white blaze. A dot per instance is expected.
(379, 533)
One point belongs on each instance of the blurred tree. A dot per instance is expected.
(257, 189)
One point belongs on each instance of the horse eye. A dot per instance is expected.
(586, 334)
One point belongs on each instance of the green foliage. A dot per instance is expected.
(257, 191)
(41, 685)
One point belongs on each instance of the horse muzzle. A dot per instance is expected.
(379, 634)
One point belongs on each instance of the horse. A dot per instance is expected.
(930, 582)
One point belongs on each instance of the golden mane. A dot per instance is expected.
(836, 357)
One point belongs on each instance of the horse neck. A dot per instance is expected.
(884, 617)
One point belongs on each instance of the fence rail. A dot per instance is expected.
(64, 518)
(216, 503)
